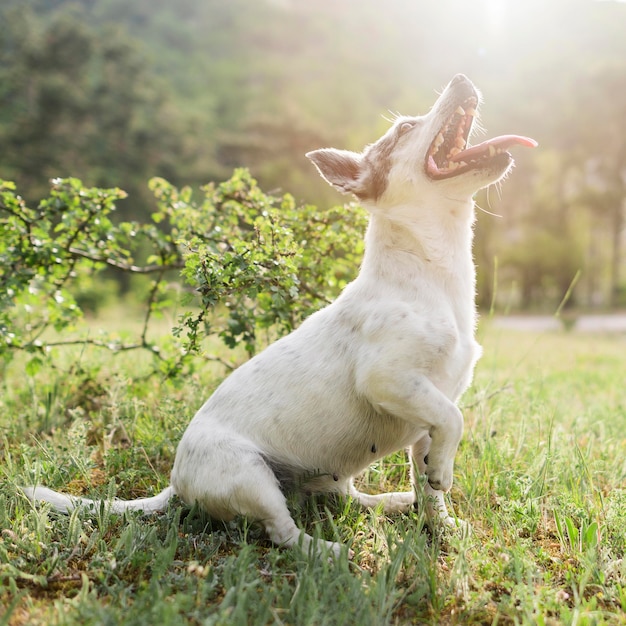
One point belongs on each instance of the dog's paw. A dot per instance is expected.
(440, 519)
(330, 549)
(334, 548)
(439, 479)
(454, 523)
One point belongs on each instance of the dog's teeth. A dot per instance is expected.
(492, 151)
(460, 142)
(460, 110)
(471, 112)
(439, 140)
(453, 152)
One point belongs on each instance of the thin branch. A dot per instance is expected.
(109, 345)
(136, 269)
(19, 216)
(151, 301)
(216, 359)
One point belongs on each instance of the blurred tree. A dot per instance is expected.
(547, 251)
(74, 100)
(586, 137)
(601, 150)
(566, 87)
(116, 91)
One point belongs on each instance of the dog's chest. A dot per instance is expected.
(450, 348)
(446, 325)
(454, 371)
(425, 334)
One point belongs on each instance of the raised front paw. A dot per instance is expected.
(439, 474)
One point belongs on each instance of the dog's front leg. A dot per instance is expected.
(433, 500)
(411, 396)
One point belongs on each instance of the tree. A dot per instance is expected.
(74, 100)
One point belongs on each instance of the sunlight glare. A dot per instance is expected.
(496, 16)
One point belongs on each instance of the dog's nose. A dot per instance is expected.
(460, 78)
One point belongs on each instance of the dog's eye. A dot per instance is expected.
(406, 127)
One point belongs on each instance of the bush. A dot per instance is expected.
(248, 262)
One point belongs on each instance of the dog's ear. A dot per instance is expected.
(340, 168)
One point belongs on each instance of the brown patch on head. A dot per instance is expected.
(364, 175)
(377, 165)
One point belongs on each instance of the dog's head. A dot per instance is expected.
(419, 156)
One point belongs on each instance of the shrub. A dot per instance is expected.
(243, 260)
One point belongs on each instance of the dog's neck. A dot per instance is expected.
(434, 254)
(436, 239)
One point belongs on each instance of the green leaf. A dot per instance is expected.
(33, 366)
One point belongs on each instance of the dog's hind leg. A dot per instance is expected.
(393, 502)
(238, 481)
(263, 500)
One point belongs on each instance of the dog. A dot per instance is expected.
(380, 369)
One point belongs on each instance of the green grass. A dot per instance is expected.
(540, 476)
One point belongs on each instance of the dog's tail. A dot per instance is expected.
(66, 503)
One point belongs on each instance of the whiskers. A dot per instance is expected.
(487, 212)
(498, 188)
(391, 116)
(477, 127)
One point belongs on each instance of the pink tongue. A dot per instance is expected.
(502, 142)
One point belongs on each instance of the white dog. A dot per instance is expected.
(380, 369)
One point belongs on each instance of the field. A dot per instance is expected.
(540, 477)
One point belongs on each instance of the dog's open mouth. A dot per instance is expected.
(449, 153)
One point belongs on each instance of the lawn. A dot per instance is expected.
(540, 477)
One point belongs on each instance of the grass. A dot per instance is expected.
(540, 476)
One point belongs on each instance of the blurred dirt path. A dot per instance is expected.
(609, 323)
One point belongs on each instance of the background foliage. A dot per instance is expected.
(103, 95)
(115, 92)
(250, 262)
